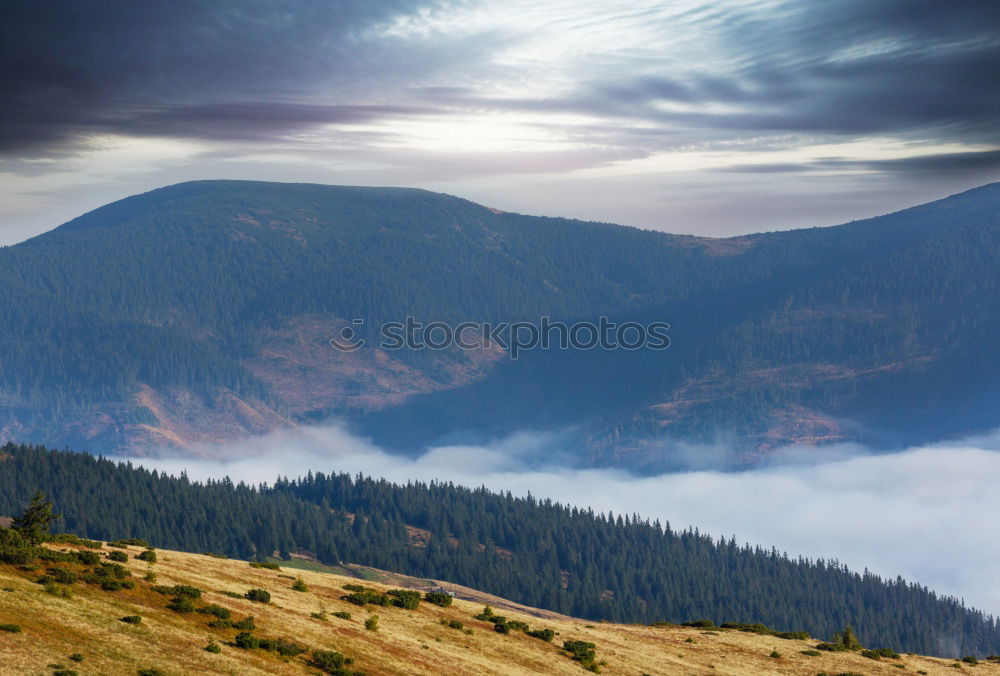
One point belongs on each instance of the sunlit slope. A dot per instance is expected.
(88, 624)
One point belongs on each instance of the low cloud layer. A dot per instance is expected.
(926, 513)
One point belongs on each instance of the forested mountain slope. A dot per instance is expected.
(600, 567)
(202, 311)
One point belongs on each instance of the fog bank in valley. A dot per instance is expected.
(926, 513)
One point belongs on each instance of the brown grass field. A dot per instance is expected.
(407, 641)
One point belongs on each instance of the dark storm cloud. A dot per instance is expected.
(262, 70)
(901, 67)
(203, 69)
(966, 162)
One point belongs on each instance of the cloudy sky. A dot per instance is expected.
(707, 117)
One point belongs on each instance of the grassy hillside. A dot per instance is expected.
(80, 619)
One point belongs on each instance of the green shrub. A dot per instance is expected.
(11, 628)
(64, 672)
(355, 587)
(134, 542)
(246, 624)
(216, 611)
(517, 625)
(583, 652)
(246, 641)
(299, 585)
(213, 647)
(258, 595)
(794, 635)
(216, 556)
(371, 624)
(968, 659)
(76, 657)
(453, 624)
(149, 556)
(185, 590)
(121, 557)
(112, 585)
(330, 662)
(501, 628)
(847, 640)
(115, 570)
(152, 671)
(270, 565)
(342, 614)
(701, 624)
(831, 647)
(754, 628)
(181, 604)
(130, 619)
(368, 597)
(70, 539)
(442, 599)
(811, 653)
(775, 654)
(281, 646)
(58, 590)
(544, 634)
(405, 598)
(88, 558)
(487, 614)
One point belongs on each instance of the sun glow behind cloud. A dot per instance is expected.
(525, 106)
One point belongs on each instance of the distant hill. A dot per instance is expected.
(183, 622)
(202, 312)
(602, 567)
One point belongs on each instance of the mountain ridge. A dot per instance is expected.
(227, 291)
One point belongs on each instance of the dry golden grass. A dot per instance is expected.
(408, 641)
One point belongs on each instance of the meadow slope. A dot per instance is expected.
(88, 624)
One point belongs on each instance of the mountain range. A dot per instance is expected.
(203, 312)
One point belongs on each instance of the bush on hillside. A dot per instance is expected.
(258, 595)
(181, 604)
(544, 634)
(405, 598)
(121, 557)
(216, 611)
(330, 662)
(270, 565)
(702, 624)
(442, 599)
